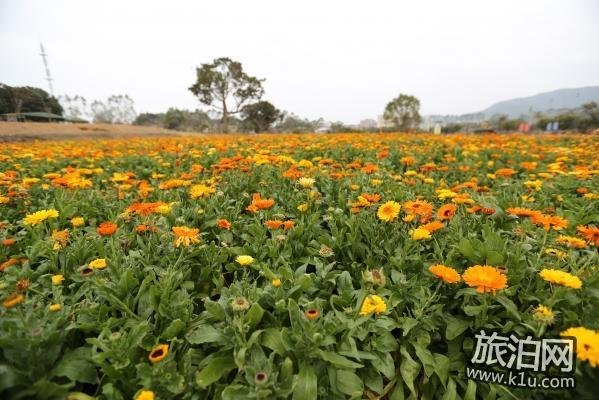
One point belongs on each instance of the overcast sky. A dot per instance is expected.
(341, 60)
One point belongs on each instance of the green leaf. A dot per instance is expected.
(273, 339)
(214, 309)
(509, 306)
(409, 370)
(204, 334)
(235, 392)
(427, 360)
(407, 323)
(254, 315)
(442, 364)
(349, 383)
(77, 366)
(450, 392)
(306, 385)
(455, 327)
(494, 258)
(338, 360)
(385, 365)
(467, 250)
(214, 370)
(470, 390)
(173, 329)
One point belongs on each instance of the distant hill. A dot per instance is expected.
(555, 100)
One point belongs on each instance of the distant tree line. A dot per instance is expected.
(116, 109)
(22, 99)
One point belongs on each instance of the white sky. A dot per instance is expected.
(341, 60)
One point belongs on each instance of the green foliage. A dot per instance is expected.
(258, 117)
(15, 99)
(403, 112)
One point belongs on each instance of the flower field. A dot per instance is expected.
(292, 266)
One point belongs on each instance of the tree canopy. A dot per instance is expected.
(224, 85)
(403, 112)
(21, 99)
(259, 116)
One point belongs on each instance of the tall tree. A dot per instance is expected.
(259, 116)
(403, 112)
(15, 99)
(225, 86)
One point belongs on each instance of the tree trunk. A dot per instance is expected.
(225, 119)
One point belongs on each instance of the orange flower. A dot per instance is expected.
(8, 263)
(144, 208)
(433, 226)
(106, 228)
(8, 242)
(447, 274)
(158, 353)
(505, 172)
(273, 223)
(223, 224)
(13, 300)
(418, 207)
(446, 211)
(521, 212)
(185, 236)
(590, 233)
(288, 225)
(258, 203)
(485, 278)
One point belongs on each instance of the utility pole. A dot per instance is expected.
(48, 77)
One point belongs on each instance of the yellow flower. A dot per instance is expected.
(560, 255)
(302, 207)
(145, 395)
(409, 218)
(306, 182)
(373, 304)
(185, 235)
(587, 344)
(276, 282)
(388, 211)
(77, 221)
(40, 216)
(561, 278)
(57, 279)
(197, 191)
(55, 307)
(571, 241)
(420, 234)
(98, 263)
(244, 260)
(164, 208)
(543, 314)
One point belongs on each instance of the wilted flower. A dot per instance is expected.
(240, 304)
(543, 314)
(325, 251)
